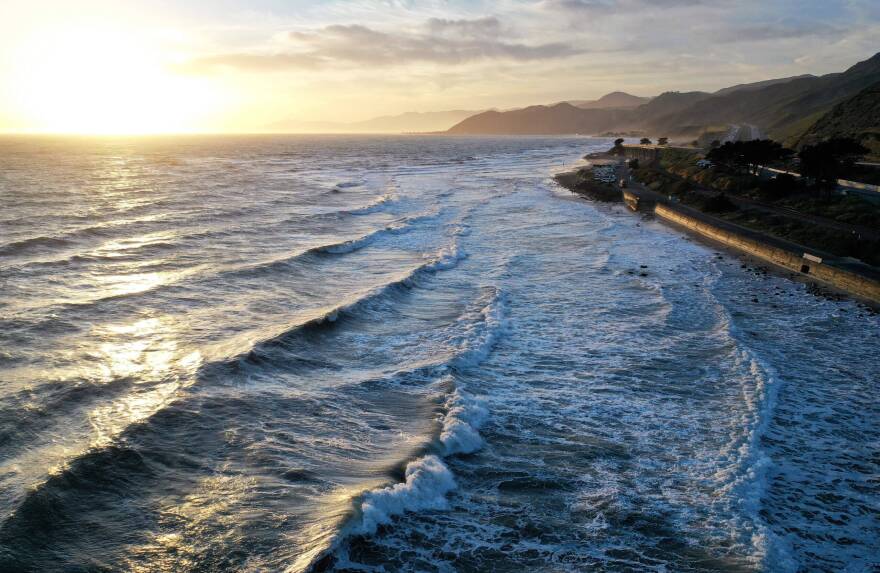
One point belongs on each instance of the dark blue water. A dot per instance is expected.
(406, 354)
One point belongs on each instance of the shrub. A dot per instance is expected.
(719, 204)
(782, 186)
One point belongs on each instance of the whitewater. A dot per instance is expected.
(407, 354)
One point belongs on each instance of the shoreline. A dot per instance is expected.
(820, 271)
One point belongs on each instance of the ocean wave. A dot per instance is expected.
(481, 335)
(746, 481)
(380, 203)
(349, 184)
(447, 258)
(262, 349)
(427, 479)
(108, 229)
(352, 245)
(465, 414)
(33, 243)
(72, 237)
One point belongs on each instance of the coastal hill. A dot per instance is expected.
(401, 123)
(761, 84)
(542, 120)
(857, 117)
(566, 118)
(783, 108)
(614, 100)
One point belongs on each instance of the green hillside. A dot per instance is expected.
(857, 117)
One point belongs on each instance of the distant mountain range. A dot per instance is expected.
(784, 108)
(432, 121)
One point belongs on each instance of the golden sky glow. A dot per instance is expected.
(94, 77)
(95, 66)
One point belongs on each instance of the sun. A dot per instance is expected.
(102, 79)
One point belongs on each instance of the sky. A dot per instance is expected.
(137, 66)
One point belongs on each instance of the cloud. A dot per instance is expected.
(769, 32)
(488, 27)
(438, 40)
(580, 7)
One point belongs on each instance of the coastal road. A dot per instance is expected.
(750, 204)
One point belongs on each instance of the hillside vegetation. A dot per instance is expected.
(857, 117)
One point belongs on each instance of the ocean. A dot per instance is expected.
(329, 353)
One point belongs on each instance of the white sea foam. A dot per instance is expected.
(747, 479)
(482, 335)
(379, 203)
(464, 416)
(427, 481)
(447, 258)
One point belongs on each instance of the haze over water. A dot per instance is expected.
(406, 354)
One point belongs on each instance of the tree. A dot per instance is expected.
(633, 163)
(750, 156)
(729, 155)
(760, 152)
(695, 143)
(645, 141)
(715, 144)
(618, 146)
(663, 141)
(825, 162)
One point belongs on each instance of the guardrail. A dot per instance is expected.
(840, 182)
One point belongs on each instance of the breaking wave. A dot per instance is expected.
(427, 479)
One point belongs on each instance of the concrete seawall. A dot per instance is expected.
(843, 274)
(787, 256)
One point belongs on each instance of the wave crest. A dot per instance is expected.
(426, 483)
(465, 414)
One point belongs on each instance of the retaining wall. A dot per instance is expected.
(857, 284)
